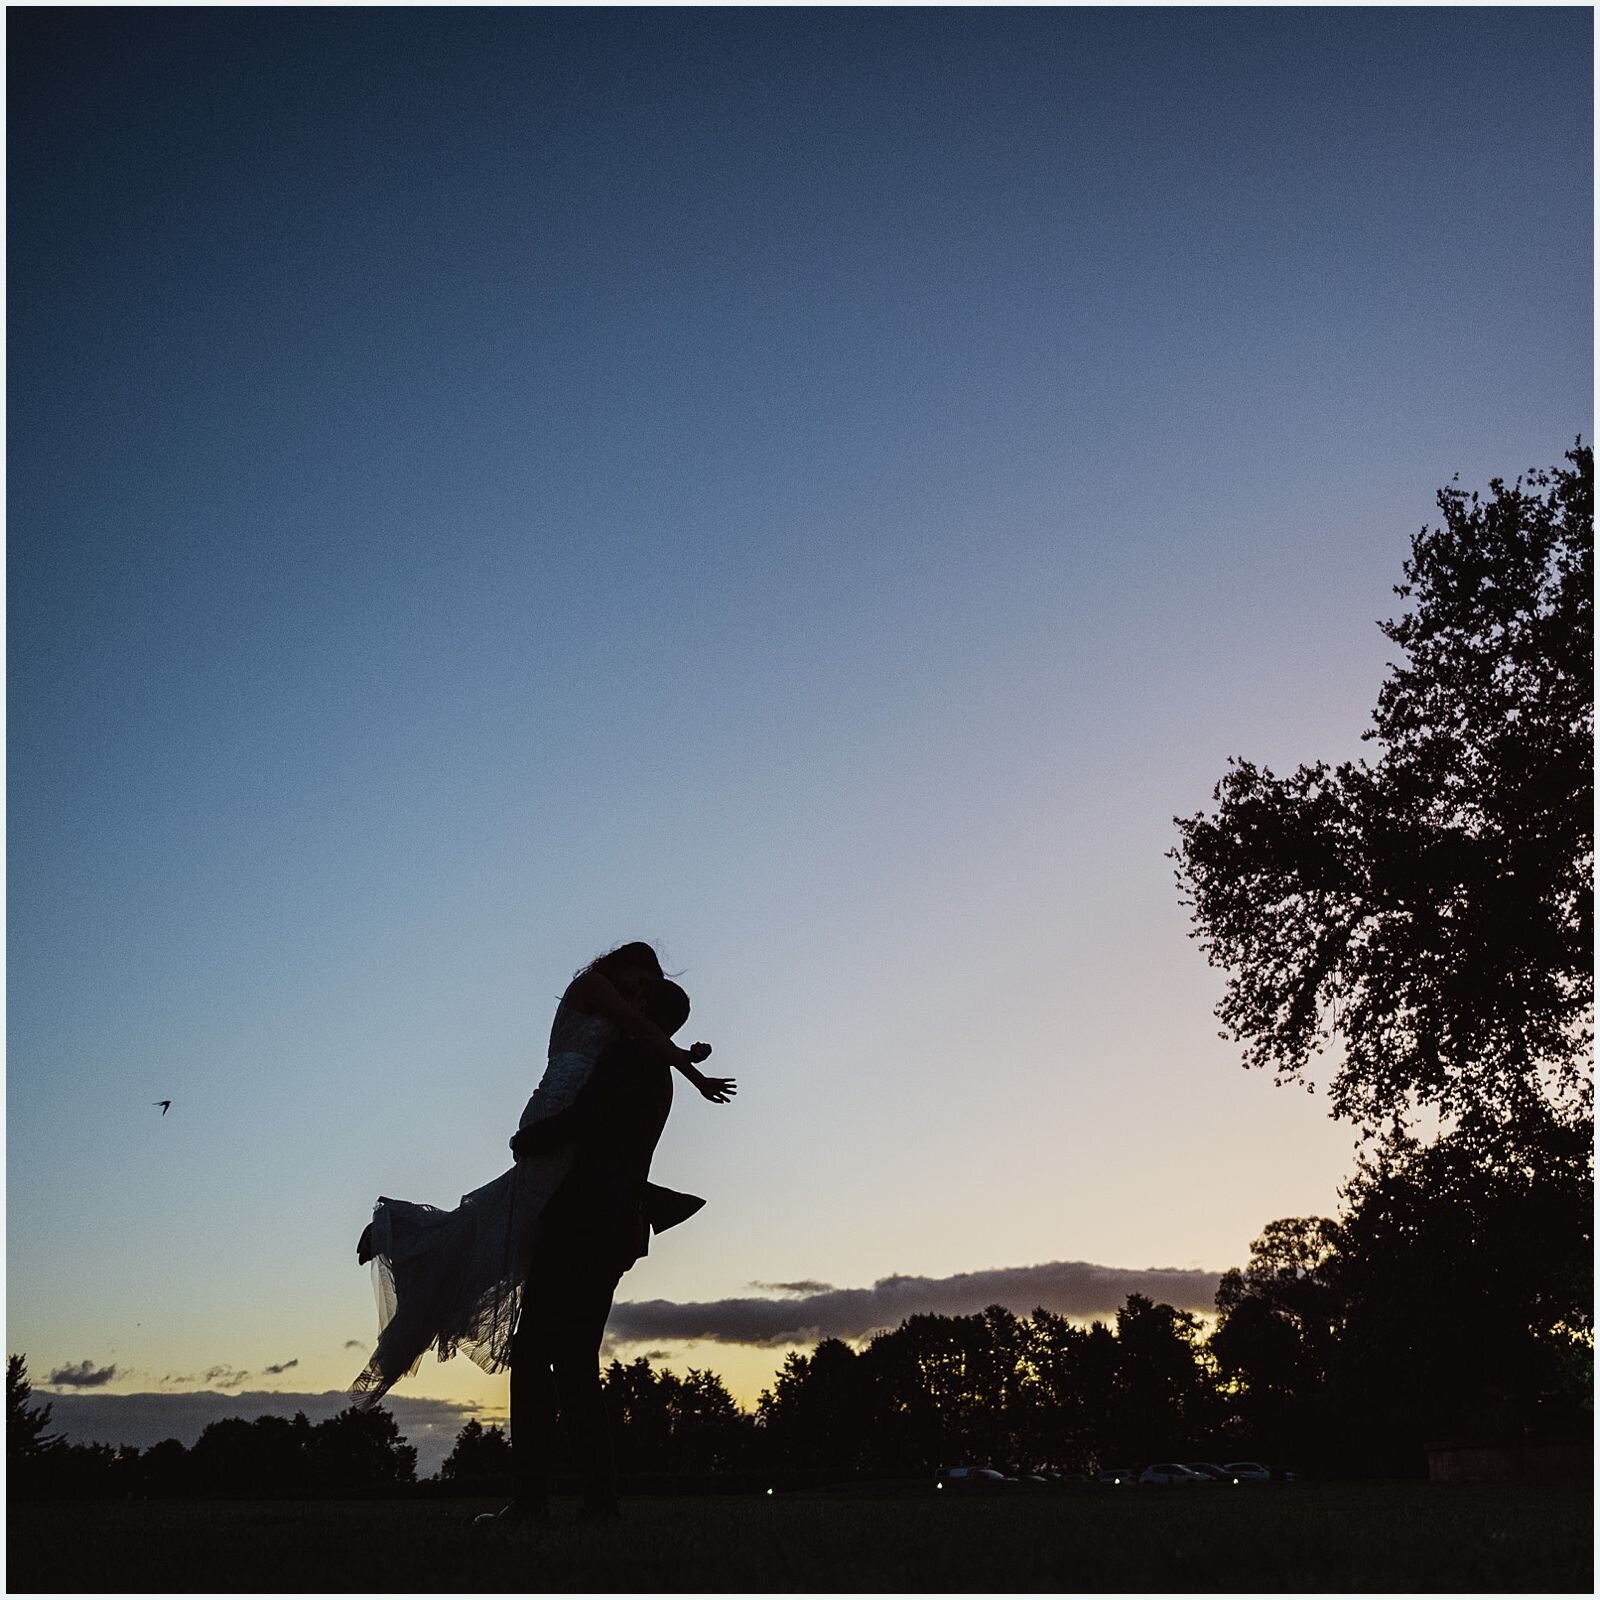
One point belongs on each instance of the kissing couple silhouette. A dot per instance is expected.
(523, 1271)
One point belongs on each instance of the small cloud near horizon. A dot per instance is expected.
(83, 1376)
(225, 1377)
(281, 1367)
(804, 1286)
(810, 1312)
(354, 1344)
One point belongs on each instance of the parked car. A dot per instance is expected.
(970, 1478)
(1258, 1472)
(1117, 1477)
(1211, 1471)
(1173, 1475)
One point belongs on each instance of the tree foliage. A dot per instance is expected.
(1453, 1299)
(1431, 911)
(995, 1388)
(362, 1449)
(661, 1423)
(25, 1424)
(478, 1452)
(356, 1452)
(1467, 1282)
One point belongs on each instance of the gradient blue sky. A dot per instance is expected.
(818, 489)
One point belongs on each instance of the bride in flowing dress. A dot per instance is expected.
(453, 1280)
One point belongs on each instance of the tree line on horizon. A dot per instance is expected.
(1449, 1300)
(355, 1452)
(1425, 922)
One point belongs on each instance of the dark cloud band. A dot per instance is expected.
(1071, 1288)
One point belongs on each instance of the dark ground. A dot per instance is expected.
(1350, 1537)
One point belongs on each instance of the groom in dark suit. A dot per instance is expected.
(596, 1225)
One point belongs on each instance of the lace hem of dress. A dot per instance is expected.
(452, 1281)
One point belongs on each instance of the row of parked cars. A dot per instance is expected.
(1163, 1474)
(1194, 1474)
(993, 1478)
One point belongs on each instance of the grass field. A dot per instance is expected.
(1416, 1537)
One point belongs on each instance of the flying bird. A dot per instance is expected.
(165, 1105)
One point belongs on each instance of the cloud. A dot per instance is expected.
(225, 1377)
(354, 1344)
(283, 1367)
(146, 1419)
(811, 1312)
(83, 1376)
(626, 1350)
(804, 1286)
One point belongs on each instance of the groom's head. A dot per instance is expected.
(666, 1005)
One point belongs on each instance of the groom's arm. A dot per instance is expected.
(553, 1132)
(588, 1108)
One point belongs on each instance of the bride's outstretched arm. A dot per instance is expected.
(719, 1091)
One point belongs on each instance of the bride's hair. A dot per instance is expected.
(637, 954)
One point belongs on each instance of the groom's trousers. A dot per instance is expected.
(555, 1368)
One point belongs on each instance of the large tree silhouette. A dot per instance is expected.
(1467, 1285)
(1430, 911)
(1452, 1300)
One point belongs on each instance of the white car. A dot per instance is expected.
(1254, 1472)
(1173, 1474)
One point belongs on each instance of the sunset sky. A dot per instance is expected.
(815, 489)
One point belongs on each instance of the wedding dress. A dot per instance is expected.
(452, 1280)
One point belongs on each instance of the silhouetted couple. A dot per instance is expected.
(523, 1271)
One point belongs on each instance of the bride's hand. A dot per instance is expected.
(718, 1090)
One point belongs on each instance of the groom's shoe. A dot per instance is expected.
(514, 1518)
